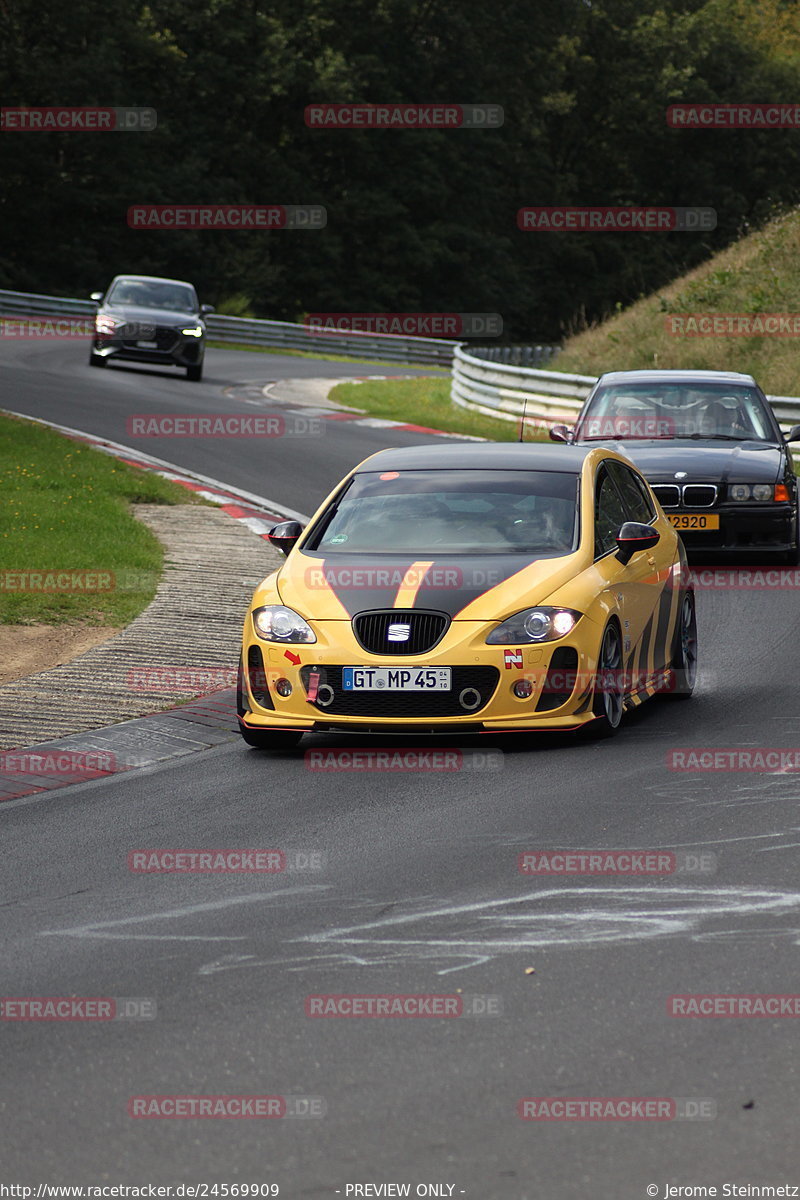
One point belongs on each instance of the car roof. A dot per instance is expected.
(150, 279)
(484, 456)
(677, 376)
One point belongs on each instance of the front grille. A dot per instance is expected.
(164, 336)
(699, 495)
(426, 630)
(405, 704)
(560, 679)
(667, 494)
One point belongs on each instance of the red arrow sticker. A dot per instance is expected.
(294, 658)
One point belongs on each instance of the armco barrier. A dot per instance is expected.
(499, 389)
(389, 347)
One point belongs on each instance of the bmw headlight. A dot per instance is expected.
(535, 625)
(752, 491)
(274, 623)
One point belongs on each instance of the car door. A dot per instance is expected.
(635, 585)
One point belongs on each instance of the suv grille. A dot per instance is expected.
(482, 680)
(425, 630)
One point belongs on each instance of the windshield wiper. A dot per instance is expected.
(713, 437)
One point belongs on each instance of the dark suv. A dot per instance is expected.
(145, 319)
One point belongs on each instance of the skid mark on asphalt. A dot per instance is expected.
(111, 929)
(468, 935)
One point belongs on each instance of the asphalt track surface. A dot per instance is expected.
(419, 893)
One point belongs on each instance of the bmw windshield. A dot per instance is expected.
(452, 512)
(647, 411)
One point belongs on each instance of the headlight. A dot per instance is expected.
(195, 331)
(106, 324)
(535, 625)
(752, 491)
(275, 623)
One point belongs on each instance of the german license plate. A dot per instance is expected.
(696, 521)
(396, 679)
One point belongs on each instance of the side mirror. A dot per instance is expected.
(634, 537)
(284, 536)
(794, 434)
(560, 433)
(206, 308)
(96, 296)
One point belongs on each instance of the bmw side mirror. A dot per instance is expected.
(560, 433)
(794, 434)
(634, 537)
(206, 308)
(284, 536)
(96, 296)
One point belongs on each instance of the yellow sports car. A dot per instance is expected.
(470, 588)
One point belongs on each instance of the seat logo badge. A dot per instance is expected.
(512, 658)
(398, 633)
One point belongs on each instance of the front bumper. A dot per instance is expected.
(172, 349)
(480, 699)
(744, 528)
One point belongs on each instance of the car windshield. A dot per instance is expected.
(695, 410)
(175, 297)
(452, 512)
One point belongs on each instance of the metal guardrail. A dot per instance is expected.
(389, 347)
(499, 389)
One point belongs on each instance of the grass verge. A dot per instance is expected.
(426, 402)
(65, 507)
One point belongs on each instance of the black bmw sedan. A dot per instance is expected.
(711, 448)
(145, 319)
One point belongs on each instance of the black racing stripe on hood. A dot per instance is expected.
(449, 585)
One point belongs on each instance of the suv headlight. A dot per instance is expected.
(275, 623)
(192, 331)
(535, 625)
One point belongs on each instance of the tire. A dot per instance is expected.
(266, 740)
(684, 655)
(608, 702)
(97, 360)
(195, 374)
(792, 557)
